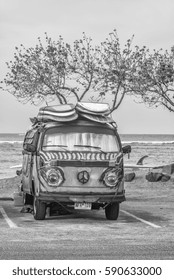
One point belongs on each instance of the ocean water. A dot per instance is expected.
(10, 153)
(158, 148)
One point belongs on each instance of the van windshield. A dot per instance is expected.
(80, 138)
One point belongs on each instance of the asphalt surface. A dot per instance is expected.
(144, 230)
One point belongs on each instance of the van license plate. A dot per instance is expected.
(82, 206)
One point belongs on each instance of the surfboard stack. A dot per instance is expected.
(98, 112)
(58, 113)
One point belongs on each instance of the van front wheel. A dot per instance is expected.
(39, 209)
(112, 211)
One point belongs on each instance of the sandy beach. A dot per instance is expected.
(8, 186)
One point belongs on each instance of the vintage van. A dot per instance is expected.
(76, 164)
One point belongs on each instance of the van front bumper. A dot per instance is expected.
(85, 197)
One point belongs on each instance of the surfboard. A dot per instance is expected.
(147, 166)
(16, 166)
(58, 108)
(97, 118)
(93, 108)
(47, 118)
(59, 113)
(56, 114)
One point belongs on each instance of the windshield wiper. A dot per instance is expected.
(61, 146)
(89, 146)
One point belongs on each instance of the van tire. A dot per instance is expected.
(112, 211)
(39, 209)
(27, 199)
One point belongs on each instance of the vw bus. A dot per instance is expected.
(74, 165)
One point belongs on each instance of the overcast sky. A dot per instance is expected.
(23, 21)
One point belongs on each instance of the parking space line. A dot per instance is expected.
(7, 219)
(139, 219)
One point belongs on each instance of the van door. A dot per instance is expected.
(29, 149)
(27, 171)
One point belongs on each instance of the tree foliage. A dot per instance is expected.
(155, 79)
(56, 70)
(121, 67)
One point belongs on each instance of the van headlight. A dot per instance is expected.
(54, 177)
(111, 177)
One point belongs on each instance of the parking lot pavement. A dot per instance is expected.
(130, 214)
(14, 218)
(139, 233)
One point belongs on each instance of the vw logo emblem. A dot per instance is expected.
(83, 177)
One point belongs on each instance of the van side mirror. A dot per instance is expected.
(126, 149)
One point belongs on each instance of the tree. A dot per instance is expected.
(155, 79)
(56, 70)
(120, 69)
(38, 74)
